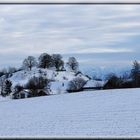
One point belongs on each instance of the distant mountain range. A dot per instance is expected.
(102, 72)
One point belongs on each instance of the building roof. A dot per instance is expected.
(93, 83)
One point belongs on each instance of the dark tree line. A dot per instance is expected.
(126, 81)
(39, 86)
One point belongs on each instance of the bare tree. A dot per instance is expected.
(45, 61)
(29, 62)
(72, 64)
(58, 62)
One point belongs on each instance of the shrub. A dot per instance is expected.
(76, 84)
(37, 86)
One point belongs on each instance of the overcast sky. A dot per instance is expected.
(97, 35)
(69, 1)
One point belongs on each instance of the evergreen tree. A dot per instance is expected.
(6, 89)
(135, 73)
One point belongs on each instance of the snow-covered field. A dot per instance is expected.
(94, 113)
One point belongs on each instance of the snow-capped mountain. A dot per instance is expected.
(102, 72)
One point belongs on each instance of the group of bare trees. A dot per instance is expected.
(50, 61)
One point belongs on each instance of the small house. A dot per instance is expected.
(93, 85)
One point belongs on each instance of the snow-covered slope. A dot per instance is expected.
(59, 79)
(94, 113)
(22, 77)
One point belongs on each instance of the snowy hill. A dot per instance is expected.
(59, 79)
(94, 113)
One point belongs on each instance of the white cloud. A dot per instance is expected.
(105, 50)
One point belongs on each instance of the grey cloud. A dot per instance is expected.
(31, 30)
